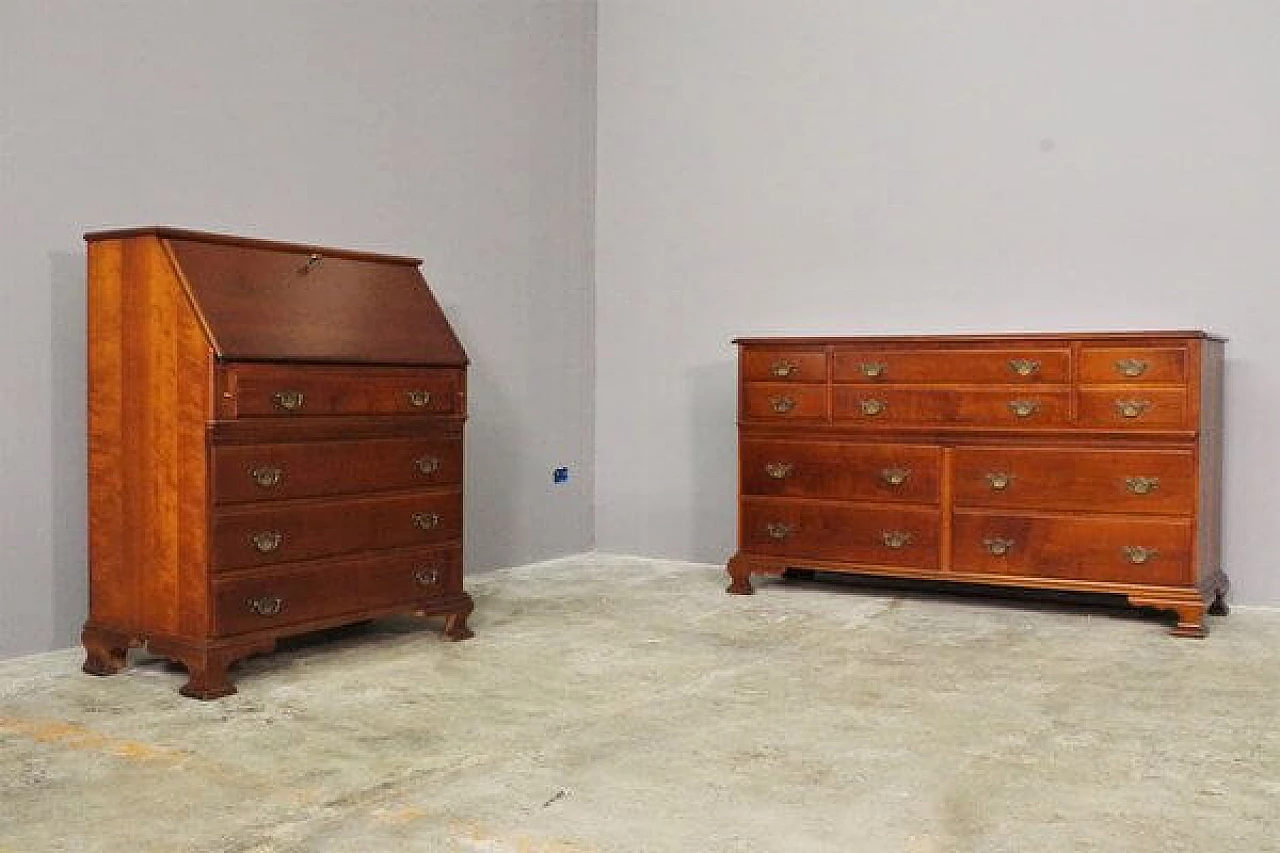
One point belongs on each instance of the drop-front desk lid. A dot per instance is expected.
(267, 301)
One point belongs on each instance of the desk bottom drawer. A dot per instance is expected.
(296, 595)
(1108, 549)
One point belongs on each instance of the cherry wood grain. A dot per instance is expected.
(864, 533)
(1134, 365)
(267, 472)
(1021, 408)
(1085, 547)
(1053, 466)
(1010, 366)
(792, 364)
(301, 594)
(297, 391)
(783, 402)
(182, 440)
(1080, 479)
(288, 305)
(260, 534)
(844, 470)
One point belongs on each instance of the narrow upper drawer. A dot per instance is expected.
(1012, 407)
(783, 402)
(267, 390)
(257, 472)
(1117, 365)
(766, 364)
(1012, 366)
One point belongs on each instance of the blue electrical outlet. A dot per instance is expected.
(560, 475)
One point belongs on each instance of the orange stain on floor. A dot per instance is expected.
(76, 736)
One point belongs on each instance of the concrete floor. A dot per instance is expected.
(617, 704)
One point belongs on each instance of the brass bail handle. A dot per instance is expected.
(313, 261)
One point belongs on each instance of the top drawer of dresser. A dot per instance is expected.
(270, 390)
(1156, 364)
(953, 365)
(784, 364)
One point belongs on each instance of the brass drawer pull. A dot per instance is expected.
(1131, 368)
(999, 480)
(427, 577)
(896, 538)
(290, 401)
(779, 470)
(782, 404)
(779, 529)
(426, 520)
(1138, 554)
(267, 476)
(895, 476)
(427, 464)
(1132, 408)
(267, 541)
(265, 605)
(1024, 408)
(871, 408)
(1142, 485)
(418, 399)
(1024, 366)
(783, 368)
(998, 547)
(873, 369)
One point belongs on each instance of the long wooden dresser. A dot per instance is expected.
(1085, 462)
(275, 446)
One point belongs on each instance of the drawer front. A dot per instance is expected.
(1134, 408)
(276, 471)
(1100, 480)
(814, 469)
(854, 533)
(784, 365)
(1133, 365)
(256, 535)
(780, 402)
(953, 366)
(1008, 408)
(334, 588)
(1117, 550)
(276, 391)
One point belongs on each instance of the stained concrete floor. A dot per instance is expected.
(617, 704)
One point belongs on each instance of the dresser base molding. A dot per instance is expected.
(1190, 606)
(208, 664)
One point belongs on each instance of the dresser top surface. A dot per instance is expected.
(995, 337)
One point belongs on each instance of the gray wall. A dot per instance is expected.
(461, 132)
(842, 167)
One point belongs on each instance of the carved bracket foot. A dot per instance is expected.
(105, 651)
(455, 625)
(1190, 614)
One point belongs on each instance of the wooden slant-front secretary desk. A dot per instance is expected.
(1086, 462)
(275, 446)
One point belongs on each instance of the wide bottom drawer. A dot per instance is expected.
(855, 533)
(269, 599)
(1120, 550)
